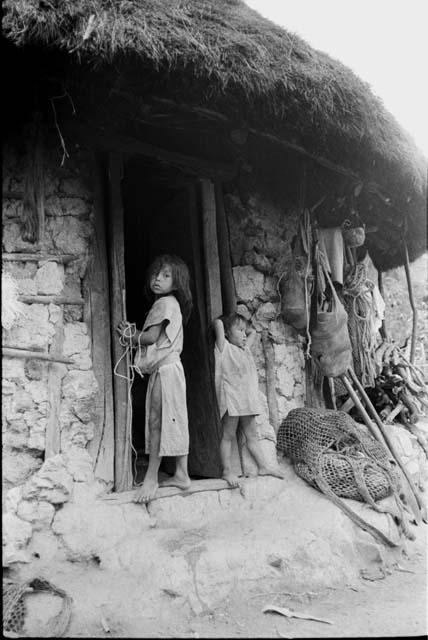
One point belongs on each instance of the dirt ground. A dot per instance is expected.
(385, 602)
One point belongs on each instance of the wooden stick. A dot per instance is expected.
(383, 431)
(12, 352)
(270, 381)
(38, 257)
(50, 300)
(412, 304)
(396, 410)
(12, 346)
(383, 331)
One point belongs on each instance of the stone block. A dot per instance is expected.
(13, 498)
(52, 483)
(76, 434)
(27, 287)
(37, 435)
(12, 238)
(79, 464)
(23, 401)
(18, 466)
(67, 206)
(264, 314)
(8, 388)
(38, 512)
(38, 391)
(69, 234)
(35, 369)
(16, 534)
(16, 436)
(13, 369)
(249, 283)
(54, 313)
(257, 260)
(33, 329)
(50, 278)
(79, 386)
(76, 339)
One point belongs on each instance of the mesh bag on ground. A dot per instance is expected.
(336, 455)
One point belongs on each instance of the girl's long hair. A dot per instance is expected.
(180, 278)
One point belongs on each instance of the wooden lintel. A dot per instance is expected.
(202, 167)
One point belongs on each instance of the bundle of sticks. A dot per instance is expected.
(400, 391)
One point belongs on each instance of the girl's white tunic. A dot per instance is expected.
(236, 381)
(163, 359)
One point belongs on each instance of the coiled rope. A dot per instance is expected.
(126, 340)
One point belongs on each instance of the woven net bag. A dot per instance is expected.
(334, 454)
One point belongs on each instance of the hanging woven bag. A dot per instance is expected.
(331, 346)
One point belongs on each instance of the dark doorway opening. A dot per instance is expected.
(161, 215)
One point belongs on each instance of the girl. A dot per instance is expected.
(237, 392)
(159, 346)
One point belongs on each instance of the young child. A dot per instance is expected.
(237, 391)
(159, 346)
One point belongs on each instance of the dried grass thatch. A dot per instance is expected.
(222, 54)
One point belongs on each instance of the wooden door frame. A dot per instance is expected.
(219, 287)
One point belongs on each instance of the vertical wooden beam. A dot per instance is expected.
(97, 317)
(56, 373)
(226, 274)
(122, 455)
(212, 263)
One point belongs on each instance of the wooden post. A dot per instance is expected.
(56, 373)
(383, 330)
(270, 381)
(412, 304)
(97, 317)
(122, 456)
(226, 274)
(212, 263)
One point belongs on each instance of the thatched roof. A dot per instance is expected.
(223, 55)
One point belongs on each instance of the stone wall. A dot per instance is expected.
(39, 396)
(260, 236)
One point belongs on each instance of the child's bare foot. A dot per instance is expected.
(269, 471)
(231, 480)
(147, 491)
(177, 480)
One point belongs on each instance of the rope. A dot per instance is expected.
(126, 340)
(357, 292)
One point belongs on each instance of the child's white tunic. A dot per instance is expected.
(236, 381)
(163, 359)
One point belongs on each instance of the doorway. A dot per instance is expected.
(162, 215)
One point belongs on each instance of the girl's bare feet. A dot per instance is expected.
(269, 471)
(231, 480)
(147, 491)
(177, 480)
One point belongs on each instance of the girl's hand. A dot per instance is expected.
(121, 327)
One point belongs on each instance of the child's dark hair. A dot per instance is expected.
(230, 319)
(180, 279)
